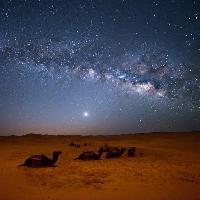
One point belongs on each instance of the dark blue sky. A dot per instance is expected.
(91, 67)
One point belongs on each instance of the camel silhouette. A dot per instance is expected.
(90, 155)
(115, 152)
(41, 160)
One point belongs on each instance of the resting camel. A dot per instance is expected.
(115, 152)
(90, 155)
(41, 160)
(75, 145)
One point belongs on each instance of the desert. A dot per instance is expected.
(166, 167)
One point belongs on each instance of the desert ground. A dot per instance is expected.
(166, 167)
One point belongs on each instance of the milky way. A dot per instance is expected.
(131, 72)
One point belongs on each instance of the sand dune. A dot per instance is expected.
(166, 167)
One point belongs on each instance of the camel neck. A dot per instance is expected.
(100, 153)
(55, 158)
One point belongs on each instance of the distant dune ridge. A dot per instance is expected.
(166, 166)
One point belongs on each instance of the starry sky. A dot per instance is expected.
(99, 66)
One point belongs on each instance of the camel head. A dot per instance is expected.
(105, 148)
(57, 153)
(101, 150)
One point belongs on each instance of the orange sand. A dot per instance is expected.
(168, 170)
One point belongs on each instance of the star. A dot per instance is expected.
(85, 114)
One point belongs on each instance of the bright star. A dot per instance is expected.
(85, 114)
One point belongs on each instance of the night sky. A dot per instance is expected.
(99, 66)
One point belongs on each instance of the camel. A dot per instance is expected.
(107, 148)
(90, 155)
(72, 144)
(115, 152)
(41, 160)
(75, 145)
(131, 151)
(86, 144)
